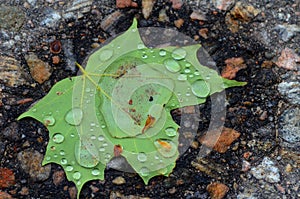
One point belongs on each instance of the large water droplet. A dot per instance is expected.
(170, 131)
(179, 53)
(144, 171)
(69, 168)
(172, 65)
(77, 175)
(182, 77)
(84, 157)
(166, 148)
(95, 172)
(74, 116)
(142, 157)
(162, 52)
(58, 138)
(106, 54)
(49, 120)
(200, 88)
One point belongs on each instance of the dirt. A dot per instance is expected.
(255, 41)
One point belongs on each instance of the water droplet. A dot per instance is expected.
(170, 131)
(55, 155)
(58, 138)
(95, 172)
(179, 53)
(196, 73)
(187, 70)
(144, 56)
(93, 124)
(77, 175)
(34, 110)
(48, 158)
(103, 126)
(101, 149)
(49, 120)
(162, 52)
(101, 138)
(188, 94)
(62, 152)
(187, 65)
(142, 157)
(133, 30)
(64, 161)
(106, 54)
(74, 116)
(69, 168)
(72, 135)
(87, 90)
(200, 88)
(93, 137)
(166, 148)
(104, 144)
(84, 157)
(144, 171)
(172, 65)
(191, 76)
(141, 46)
(182, 77)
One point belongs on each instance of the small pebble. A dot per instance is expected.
(119, 180)
(217, 190)
(179, 23)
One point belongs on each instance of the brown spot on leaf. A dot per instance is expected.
(118, 150)
(149, 123)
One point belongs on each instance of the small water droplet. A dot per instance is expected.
(103, 126)
(77, 175)
(69, 168)
(95, 172)
(133, 30)
(141, 46)
(187, 65)
(58, 138)
(48, 158)
(162, 52)
(74, 116)
(64, 161)
(93, 124)
(101, 138)
(200, 88)
(187, 70)
(49, 120)
(106, 54)
(87, 90)
(170, 131)
(72, 135)
(101, 149)
(144, 171)
(179, 53)
(188, 94)
(196, 73)
(34, 110)
(166, 148)
(144, 56)
(142, 157)
(104, 144)
(172, 65)
(182, 77)
(62, 152)
(55, 155)
(93, 137)
(207, 77)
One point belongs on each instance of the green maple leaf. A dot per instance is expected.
(120, 106)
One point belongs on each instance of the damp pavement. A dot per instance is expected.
(253, 41)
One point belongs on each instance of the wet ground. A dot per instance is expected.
(262, 163)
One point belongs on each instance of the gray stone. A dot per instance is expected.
(289, 130)
(266, 171)
(290, 91)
